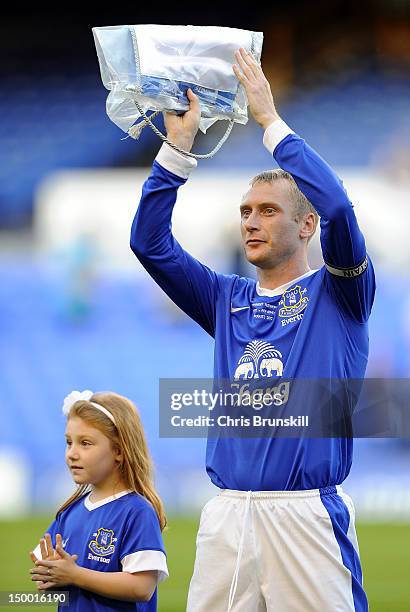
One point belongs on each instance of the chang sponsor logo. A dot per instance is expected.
(259, 360)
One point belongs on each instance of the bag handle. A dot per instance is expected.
(135, 132)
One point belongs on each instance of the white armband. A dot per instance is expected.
(348, 272)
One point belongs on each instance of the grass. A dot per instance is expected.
(384, 548)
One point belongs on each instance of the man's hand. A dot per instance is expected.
(250, 75)
(182, 129)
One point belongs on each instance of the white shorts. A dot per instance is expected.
(282, 551)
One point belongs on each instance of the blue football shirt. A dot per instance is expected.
(120, 533)
(313, 327)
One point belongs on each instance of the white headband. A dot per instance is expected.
(76, 396)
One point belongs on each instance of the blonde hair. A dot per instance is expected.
(127, 434)
(301, 204)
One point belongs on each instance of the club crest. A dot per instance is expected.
(293, 302)
(102, 545)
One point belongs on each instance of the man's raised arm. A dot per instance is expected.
(190, 284)
(349, 274)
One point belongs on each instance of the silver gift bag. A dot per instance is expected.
(150, 67)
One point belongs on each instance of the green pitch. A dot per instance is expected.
(385, 553)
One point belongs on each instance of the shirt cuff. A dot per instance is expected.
(275, 133)
(175, 162)
(146, 560)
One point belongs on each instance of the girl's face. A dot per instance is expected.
(89, 455)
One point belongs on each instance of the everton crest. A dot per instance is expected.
(102, 545)
(293, 302)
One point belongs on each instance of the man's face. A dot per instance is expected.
(269, 227)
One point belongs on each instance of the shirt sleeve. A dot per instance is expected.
(189, 283)
(349, 275)
(142, 548)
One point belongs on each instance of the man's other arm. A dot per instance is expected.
(190, 284)
(349, 274)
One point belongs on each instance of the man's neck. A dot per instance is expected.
(270, 278)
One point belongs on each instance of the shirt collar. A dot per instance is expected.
(92, 506)
(279, 290)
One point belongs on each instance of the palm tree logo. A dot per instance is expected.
(256, 350)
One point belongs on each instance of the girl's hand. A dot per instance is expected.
(55, 573)
(48, 553)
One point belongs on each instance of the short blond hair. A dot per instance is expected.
(301, 204)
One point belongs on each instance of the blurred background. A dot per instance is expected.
(77, 310)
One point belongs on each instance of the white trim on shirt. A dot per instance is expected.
(93, 505)
(175, 162)
(146, 560)
(182, 165)
(282, 288)
(275, 133)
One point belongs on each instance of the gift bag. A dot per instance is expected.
(150, 67)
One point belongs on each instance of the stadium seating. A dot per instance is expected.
(124, 340)
(60, 123)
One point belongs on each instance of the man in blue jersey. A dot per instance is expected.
(280, 534)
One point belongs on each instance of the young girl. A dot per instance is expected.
(105, 546)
